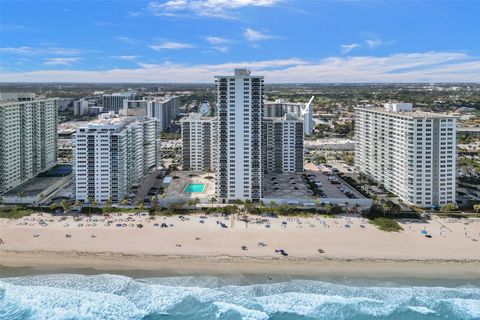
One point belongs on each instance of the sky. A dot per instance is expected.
(287, 41)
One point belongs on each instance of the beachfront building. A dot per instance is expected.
(28, 137)
(282, 144)
(80, 108)
(411, 153)
(199, 138)
(239, 112)
(281, 107)
(112, 154)
(164, 109)
(114, 102)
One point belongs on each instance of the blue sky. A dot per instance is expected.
(285, 40)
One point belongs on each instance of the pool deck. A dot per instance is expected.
(181, 180)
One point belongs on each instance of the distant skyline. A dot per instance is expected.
(287, 41)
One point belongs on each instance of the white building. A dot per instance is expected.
(204, 108)
(412, 153)
(164, 110)
(282, 144)
(112, 154)
(199, 139)
(114, 102)
(280, 107)
(28, 138)
(80, 107)
(239, 112)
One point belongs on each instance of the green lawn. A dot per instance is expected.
(385, 224)
(14, 212)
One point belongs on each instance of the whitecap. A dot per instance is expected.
(246, 314)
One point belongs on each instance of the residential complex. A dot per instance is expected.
(280, 107)
(282, 144)
(163, 109)
(199, 142)
(28, 138)
(114, 102)
(80, 107)
(411, 153)
(110, 155)
(239, 111)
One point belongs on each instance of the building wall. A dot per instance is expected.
(240, 107)
(28, 140)
(164, 111)
(110, 157)
(413, 155)
(198, 143)
(282, 142)
(114, 102)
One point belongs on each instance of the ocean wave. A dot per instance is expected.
(118, 297)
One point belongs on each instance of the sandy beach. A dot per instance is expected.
(351, 246)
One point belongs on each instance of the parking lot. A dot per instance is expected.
(144, 190)
(337, 189)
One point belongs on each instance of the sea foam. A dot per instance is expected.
(118, 297)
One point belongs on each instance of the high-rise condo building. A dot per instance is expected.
(411, 153)
(112, 154)
(239, 112)
(199, 142)
(114, 102)
(164, 110)
(280, 107)
(28, 138)
(282, 144)
(80, 107)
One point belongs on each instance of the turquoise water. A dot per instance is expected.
(66, 296)
(194, 187)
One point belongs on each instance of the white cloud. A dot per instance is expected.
(254, 35)
(60, 61)
(346, 48)
(171, 46)
(124, 57)
(373, 43)
(216, 40)
(411, 67)
(211, 8)
(222, 49)
(126, 39)
(40, 51)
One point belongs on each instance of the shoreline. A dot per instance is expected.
(98, 262)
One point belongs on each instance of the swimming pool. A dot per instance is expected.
(194, 187)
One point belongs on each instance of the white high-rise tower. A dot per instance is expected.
(239, 111)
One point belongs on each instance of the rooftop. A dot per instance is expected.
(406, 114)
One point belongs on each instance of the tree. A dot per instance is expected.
(124, 202)
(449, 207)
(139, 205)
(65, 206)
(213, 200)
(53, 206)
(476, 207)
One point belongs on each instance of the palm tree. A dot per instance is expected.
(64, 205)
(124, 202)
(213, 200)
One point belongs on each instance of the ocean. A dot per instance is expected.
(109, 296)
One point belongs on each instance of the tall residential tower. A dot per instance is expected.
(411, 153)
(239, 111)
(28, 138)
